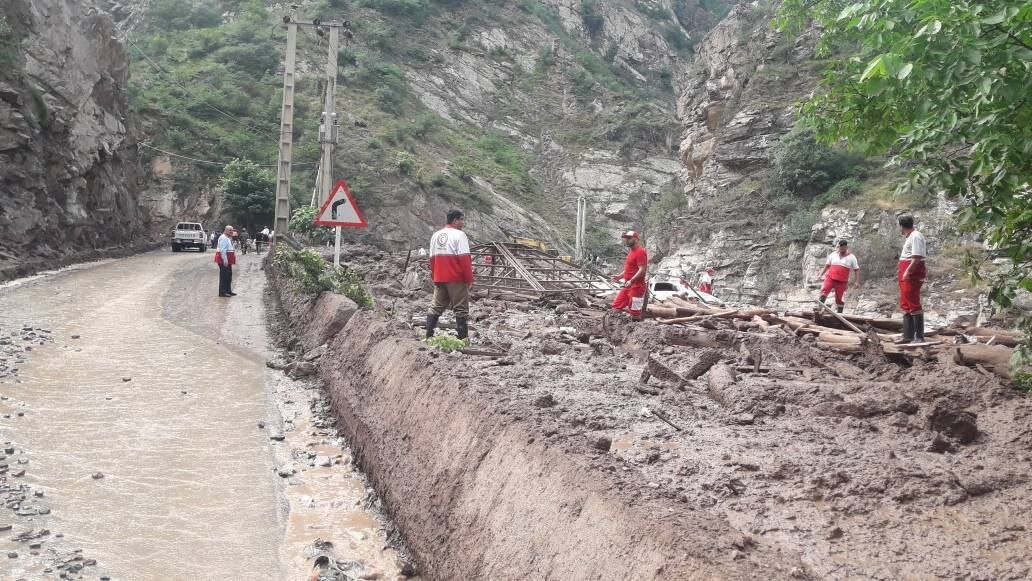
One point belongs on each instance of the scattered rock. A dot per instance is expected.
(602, 443)
(127, 379)
(302, 369)
(75, 336)
(277, 437)
(835, 533)
(97, 475)
(12, 555)
(939, 445)
(323, 461)
(545, 401)
(959, 425)
(550, 347)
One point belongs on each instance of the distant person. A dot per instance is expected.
(214, 237)
(706, 280)
(911, 275)
(225, 257)
(836, 273)
(632, 293)
(245, 241)
(451, 269)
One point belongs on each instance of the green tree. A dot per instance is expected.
(942, 86)
(806, 167)
(250, 192)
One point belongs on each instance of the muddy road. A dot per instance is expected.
(145, 438)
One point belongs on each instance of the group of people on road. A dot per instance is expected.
(451, 269)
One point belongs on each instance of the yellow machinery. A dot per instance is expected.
(535, 244)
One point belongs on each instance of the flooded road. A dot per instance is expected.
(142, 429)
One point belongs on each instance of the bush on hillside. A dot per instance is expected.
(805, 167)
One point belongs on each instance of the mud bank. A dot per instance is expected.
(15, 268)
(478, 492)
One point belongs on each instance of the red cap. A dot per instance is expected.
(630, 234)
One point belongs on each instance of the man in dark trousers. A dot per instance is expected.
(451, 269)
(225, 257)
(632, 293)
(911, 274)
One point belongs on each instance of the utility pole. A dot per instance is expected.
(328, 130)
(582, 226)
(286, 138)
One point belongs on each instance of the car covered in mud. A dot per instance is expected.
(189, 235)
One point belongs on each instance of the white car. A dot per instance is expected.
(189, 235)
(662, 288)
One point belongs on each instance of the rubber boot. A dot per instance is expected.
(431, 324)
(462, 328)
(908, 328)
(917, 323)
(840, 308)
(822, 298)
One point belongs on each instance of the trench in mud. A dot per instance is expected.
(141, 442)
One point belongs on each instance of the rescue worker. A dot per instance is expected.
(632, 293)
(706, 281)
(836, 272)
(451, 269)
(911, 274)
(225, 257)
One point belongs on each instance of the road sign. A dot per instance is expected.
(340, 209)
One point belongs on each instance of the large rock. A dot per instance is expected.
(330, 313)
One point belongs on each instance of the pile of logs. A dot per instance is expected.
(983, 348)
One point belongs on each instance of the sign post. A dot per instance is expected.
(340, 210)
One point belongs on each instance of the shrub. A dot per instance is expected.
(447, 343)
(591, 14)
(805, 167)
(302, 223)
(350, 283)
(405, 163)
(842, 190)
(8, 42)
(304, 269)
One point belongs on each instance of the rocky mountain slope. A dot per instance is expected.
(510, 110)
(744, 209)
(68, 179)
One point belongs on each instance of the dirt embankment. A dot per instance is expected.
(596, 448)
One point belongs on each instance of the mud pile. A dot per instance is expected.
(583, 445)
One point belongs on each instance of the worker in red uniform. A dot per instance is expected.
(911, 274)
(632, 293)
(836, 273)
(451, 269)
(706, 281)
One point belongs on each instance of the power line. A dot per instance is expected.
(184, 88)
(208, 162)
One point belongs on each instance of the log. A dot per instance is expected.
(657, 312)
(694, 337)
(992, 357)
(720, 378)
(1003, 337)
(842, 347)
(839, 339)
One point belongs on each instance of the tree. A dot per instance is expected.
(250, 192)
(943, 87)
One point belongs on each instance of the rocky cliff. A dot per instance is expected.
(68, 178)
(768, 241)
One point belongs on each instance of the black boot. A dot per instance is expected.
(822, 298)
(840, 308)
(431, 324)
(461, 328)
(908, 328)
(917, 324)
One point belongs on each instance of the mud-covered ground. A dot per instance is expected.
(858, 466)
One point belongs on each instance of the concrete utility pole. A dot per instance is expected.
(286, 138)
(582, 226)
(328, 130)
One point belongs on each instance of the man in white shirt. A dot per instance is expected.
(225, 257)
(836, 273)
(910, 275)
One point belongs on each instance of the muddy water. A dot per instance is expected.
(140, 429)
(168, 417)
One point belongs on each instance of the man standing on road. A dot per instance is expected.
(451, 269)
(836, 274)
(225, 257)
(911, 274)
(632, 293)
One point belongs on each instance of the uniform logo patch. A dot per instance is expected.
(441, 241)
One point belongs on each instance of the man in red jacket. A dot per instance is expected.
(451, 269)
(632, 294)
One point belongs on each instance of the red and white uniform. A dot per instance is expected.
(632, 298)
(706, 283)
(450, 260)
(910, 290)
(837, 277)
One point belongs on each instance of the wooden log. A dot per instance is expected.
(992, 357)
(657, 312)
(841, 347)
(1003, 337)
(836, 338)
(694, 337)
(720, 378)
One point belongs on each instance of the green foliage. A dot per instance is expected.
(250, 191)
(387, 83)
(404, 162)
(591, 15)
(1023, 381)
(943, 88)
(8, 42)
(302, 224)
(305, 269)
(414, 9)
(805, 167)
(842, 190)
(350, 283)
(671, 205)
(799, 224)
(447, 343)
(183, 14)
